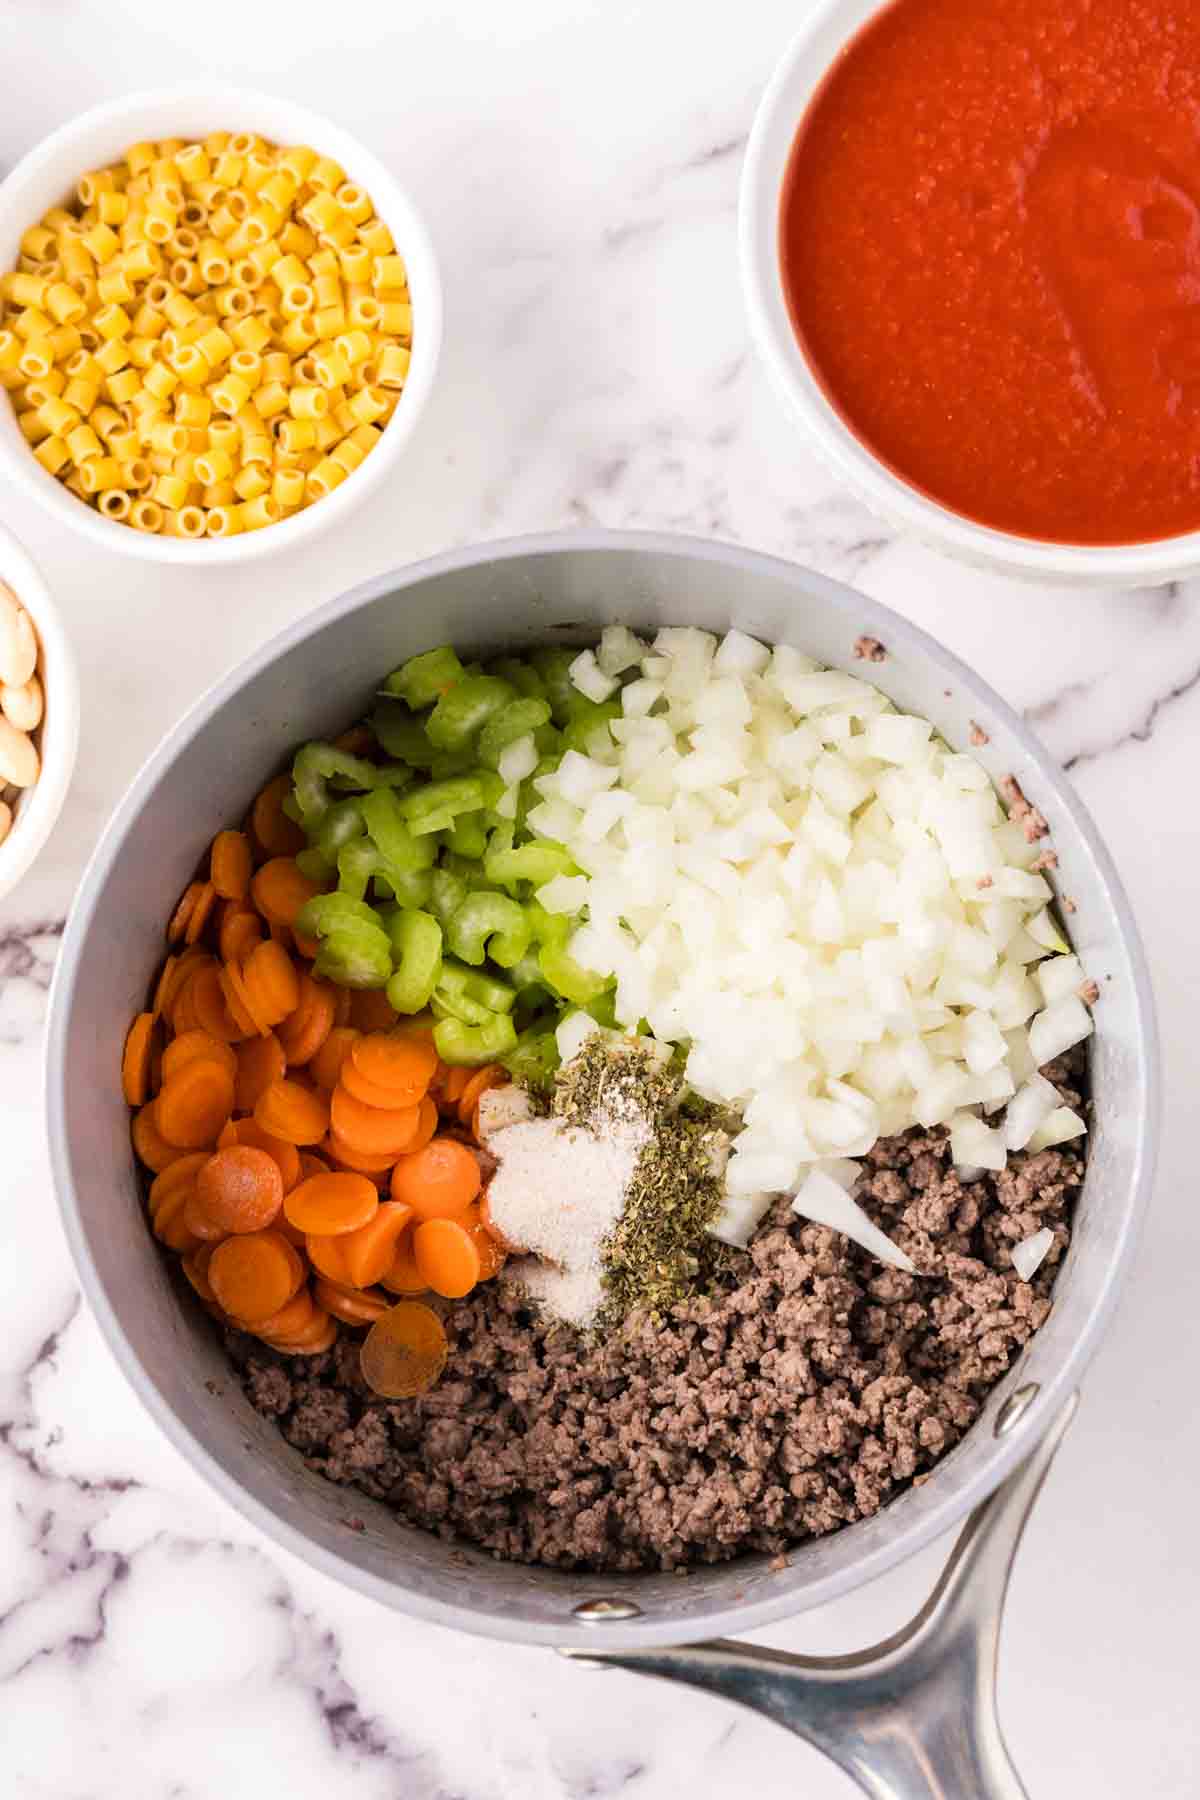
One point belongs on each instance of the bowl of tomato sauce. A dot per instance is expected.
(970, 238)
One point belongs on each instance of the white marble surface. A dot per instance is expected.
(578, 163)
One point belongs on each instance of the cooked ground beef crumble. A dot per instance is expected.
(810, 1387)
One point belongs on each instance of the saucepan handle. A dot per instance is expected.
(912, 1718)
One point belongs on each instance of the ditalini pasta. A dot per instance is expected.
(213, 337)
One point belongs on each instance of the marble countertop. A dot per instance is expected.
(578, 164)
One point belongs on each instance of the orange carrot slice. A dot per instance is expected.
(359, 740)
(438, 1182)
(372, 1129)
(399, 1067)
(239, 931)
(318, 1335)
(271, 983)
(293, 1319)
(240, 1189)
(178, 923)
(150, 1145)
(358, 1087)
(179, 1174)
(279, 889)
(274, 833)
(371, 1010)
(343, 999)
(194, 1104)
(196, 1046)
(136, 1059)
(164, 987)
(201, 912)
(210, 1006)
(403, 1276)
(349, 1304)
(307, 947)
(370, 1251)
(491, 1257)
(233, 986)
(326, 1066)
(195, 1267)
(345, 1156)
(305, 1029)
(327, 1256)
(450, 1085)
(312, 1164)
(405, 1351)
(492, 1075)
(260, 1061)
(426, 1127)
(171, 1225)
(298, 1115)
(255, 1274)
(248, 1131)
(329, 1205)
(230, 865)
(200, 1222)
(447, 1256)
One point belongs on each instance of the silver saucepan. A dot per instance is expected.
(913, 1716)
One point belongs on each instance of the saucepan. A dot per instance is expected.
(913, 1716)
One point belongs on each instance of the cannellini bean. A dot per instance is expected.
(18, 758)
(18, 640)
(22, 706)
(6, 819)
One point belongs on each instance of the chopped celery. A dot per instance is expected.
(316, 765)
(355, 954)
(527, 974)
(447, 892)
(416, 940)
(472, 1045)
(539, 862)
(462, 712)
(533, 1058)
(384, 819)
(424, 679)
(569, 978)
(588, 717)
(401, 735)
(522, 675)
(467, 837)
(513, 721)
(325, 912)
(458, 982)
(338, 825)
(548, 928)
(447, 1005)
(442, 800)
(489, 924)
(552, 664)
(314, 863)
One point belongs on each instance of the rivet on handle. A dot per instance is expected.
(599, 1612)
(1016, 1406)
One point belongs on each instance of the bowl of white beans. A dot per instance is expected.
(220, 319)
(39, 712)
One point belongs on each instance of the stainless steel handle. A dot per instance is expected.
(914, 1717)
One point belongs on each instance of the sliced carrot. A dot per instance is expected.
(370, 1251)
(319, 1335)
(292, 1320)
(450, 1087)
(306, 1028)
(329, 1205)
(350, 1305)
(240, 1188)
(279, 889)
(427, 1126)
(345, 1156)
(312, 1164)
(405, 1351)
(344, 1005)
(239, 931)
(195, 1267)
(371, 1010)
(179, 1174)
(274, 833)
(178, 923)
(164, 987)
(491, 1257)
(194, 1104)
(359, 740)
(298, 1115)
(171, 1226)
(327, 1256)
(357, 1085)
(494, 1231)
(271, 983)
(401, 1067)
(326, 1066)
(372, 1129)
(196, 1046)
(136, 1059)
(237, 1000)
(447, 1256)
(201, 912)
(307, 947)
(404, 1277)
(210, 1006)
(248, 1131)
(438, 1182)
(230, 864)
(200, 1222)
(255, 1274)
(150, 1145)
(490, 1076)
(260, 1061)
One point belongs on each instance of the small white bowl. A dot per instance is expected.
(58, 739)
(805, 63)
(47, 176)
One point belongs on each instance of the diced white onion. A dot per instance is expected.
(825, 1202)
(563, 894)
(619, 650)
(1059, 1029)
(1043, 930)
(1029, 1107)
(586, 674)
(976, 1145)
(573, 1032)
(1029, 1255)
(1062, 1125)
(739, 1218)
(518, 759)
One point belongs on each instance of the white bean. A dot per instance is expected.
(18, 640)
(6, 820)
(22, 706)
(18, 758)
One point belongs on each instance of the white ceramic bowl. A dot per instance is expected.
(48, 175)
(40, 805)
(806, 61)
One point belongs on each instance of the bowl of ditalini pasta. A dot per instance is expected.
(220, 319)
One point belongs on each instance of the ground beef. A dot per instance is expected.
(803, 1394)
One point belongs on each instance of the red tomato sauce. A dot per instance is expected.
(990, 242)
